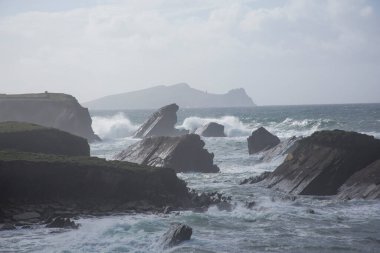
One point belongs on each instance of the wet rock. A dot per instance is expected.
(211, 129)
(256, 179)
(176, 234)
(60, 222)
(323, 162)
(7, 226)
(182, 153)
(161, 123)
(250, 204)
(284, 147)
(167, 210)
(310, 211)
(261, 140)
(26, 216)
(363, 184)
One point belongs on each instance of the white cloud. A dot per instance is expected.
(293, 48)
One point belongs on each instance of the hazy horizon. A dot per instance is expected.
(290, 52)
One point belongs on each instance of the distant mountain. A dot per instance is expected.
(181, 94)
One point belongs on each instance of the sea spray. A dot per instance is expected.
(114, 126)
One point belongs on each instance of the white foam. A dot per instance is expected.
(115, 126)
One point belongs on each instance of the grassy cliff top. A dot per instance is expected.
(38, 96)
(14, 126)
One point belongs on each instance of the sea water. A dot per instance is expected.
(275, 223)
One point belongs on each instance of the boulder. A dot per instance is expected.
(363, 184)
(176, 234)
(182, 153)
(261, 140)
(28, 137)
(211, 129)
(161, 123)
(55, 110)
(60, 222)
(280, 150)
(323, 162)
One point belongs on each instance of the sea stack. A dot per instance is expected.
(211, 129)
(55, 110)
(261, 140)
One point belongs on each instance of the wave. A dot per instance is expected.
(115, 126)
(233, 127)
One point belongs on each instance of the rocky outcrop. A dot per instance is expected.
(363, 184)
(261, 140)
(55, 110)
(281, 149)
(211, 129)
(325, 161)
(33, 138)
(182, 153)
(161, 123)
(176, 234)
(60, 222)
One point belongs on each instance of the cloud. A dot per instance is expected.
(293, 48)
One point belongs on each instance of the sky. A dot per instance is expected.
(281, 52)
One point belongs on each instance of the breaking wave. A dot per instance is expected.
(115, 126)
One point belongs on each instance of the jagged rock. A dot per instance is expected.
(182, 153)
(176, 234)
(161, 123)
(60, 222)
(211, 129)
(55, 110)
(323, 162)
(281, 149)
(256, 179)
(28, 137)
(261, 140)
(26, 216)
(363, 184)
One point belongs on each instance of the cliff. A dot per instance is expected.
(181, 94)
(33, 138)
(55, 110)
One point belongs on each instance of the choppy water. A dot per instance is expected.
(274, 224)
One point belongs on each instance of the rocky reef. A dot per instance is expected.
(261, 140)
(33, 138)
(182, 153)
(330, 163)
(55, 110)
(161, 123)
(211, 129)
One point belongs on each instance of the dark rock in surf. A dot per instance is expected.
(60, 222)
(161, 123)
(176, 234)
(281, 149)
(211, 129)
(256, 179)
(323, 162)
(261, 140)
(7, 226)
(55, 110)
(182, 153)
(363, 184)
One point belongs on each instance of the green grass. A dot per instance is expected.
(13, 126)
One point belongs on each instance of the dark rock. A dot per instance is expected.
(261, 140)
(55, 110)
(7, 226)
(168, 209)
(363, 184)
(281, 149)
(26, 216)
(323, 162)
(256, 179)
(250, 204)
(310, 211)
(211, 129)
(176, 234)
(60, 222)
(182, 153)
(161, 123)
(28, 137)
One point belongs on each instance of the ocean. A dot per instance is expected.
(275, 223)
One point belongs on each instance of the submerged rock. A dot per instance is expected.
(363, 184)
(55, 110)
(281, 149)
(60, 222)
(323, 162)
(261, 140)
(182, 153)
(33, 138)
(176, 234)
(211, 129)
(161, 123)
(7, 226)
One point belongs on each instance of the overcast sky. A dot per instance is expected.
(281, 52)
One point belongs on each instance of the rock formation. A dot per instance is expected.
(281, 149)
(176, 234)
(182, 153)
(261, 140)
(211, 129)
(33, 138)
(55, 110)
(161, 123)
(325, 161)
